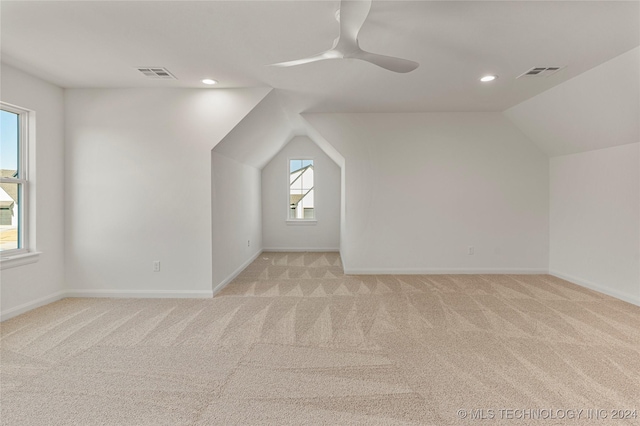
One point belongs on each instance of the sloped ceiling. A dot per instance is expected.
(324, 144)
(98, 44)
(260, 135)
(597, 109)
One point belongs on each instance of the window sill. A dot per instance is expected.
(19, 260)
(303, 222)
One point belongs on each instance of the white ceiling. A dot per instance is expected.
(589, 112)
(99, 44)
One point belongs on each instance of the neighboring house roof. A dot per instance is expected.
(10, 189)
(300, 173)
(303, 169)
(8, 173)
(295, 198)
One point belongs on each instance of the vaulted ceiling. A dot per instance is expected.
(99, 44)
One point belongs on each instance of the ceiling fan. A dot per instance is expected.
(351, 16)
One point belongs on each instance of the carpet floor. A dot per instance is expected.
(294, 341)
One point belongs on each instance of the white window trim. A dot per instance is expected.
(7, 262)
(301, 222)
(25, 254)
(289, 220)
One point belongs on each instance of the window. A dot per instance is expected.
(301, 190)
(13, 180)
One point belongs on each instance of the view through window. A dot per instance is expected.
(12, 178)
(301, 190)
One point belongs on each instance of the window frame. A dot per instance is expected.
(294, 221)
(22, 180)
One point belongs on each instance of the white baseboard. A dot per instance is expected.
(303, 249)
(25, 307)
(442, 271)
(141, 294)
(123, 294)
(235, 273)
(117, 294)
(599, 288)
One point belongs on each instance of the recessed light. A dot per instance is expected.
(209, 81)
(488, 78)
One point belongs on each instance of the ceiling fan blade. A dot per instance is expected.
(353, 13)
(329, 54)
(387, 62)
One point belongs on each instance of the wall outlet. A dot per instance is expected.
(248, 243)
(156, 266)
(471, 251)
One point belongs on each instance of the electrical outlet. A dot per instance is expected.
(248, 243)
(471, 251)
(156, 266)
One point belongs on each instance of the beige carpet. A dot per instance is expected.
(294, 341)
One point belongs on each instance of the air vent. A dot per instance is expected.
(157, 73)
(541, 72)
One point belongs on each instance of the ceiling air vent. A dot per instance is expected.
(541, 72)
(157, 73)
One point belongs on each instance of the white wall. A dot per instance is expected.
(321, 236)
(595, 220)
(138, 187)
(236, 217)
(28, 286)
(596, 109)
(591, 126)
(421, 188)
